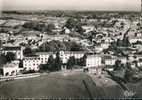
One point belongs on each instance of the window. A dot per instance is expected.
(7, 74)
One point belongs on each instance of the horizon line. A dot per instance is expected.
(73, 10)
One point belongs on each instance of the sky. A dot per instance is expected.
(110, 5)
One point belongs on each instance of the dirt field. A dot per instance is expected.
(58, 85)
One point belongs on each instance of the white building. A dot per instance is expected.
(66, 30)
(31, 63)
(122, 59)
(135, 39)
(10, 69)
(139, 63)
(98, 49)
(65, 55)
(44, 56)
(18, 51)
(110, 60)
(4, 36)
(105, 45)
(88, 28)
(93, 64)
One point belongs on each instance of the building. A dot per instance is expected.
(18, 51)
(65, 55)
(98, 49)
(4, 36)
(66, 30)
(44, 56)
(88, 28)
(31, 63)
(10, 69)
(139, 63)
(105, 45)
(110, 60)
(94, 64)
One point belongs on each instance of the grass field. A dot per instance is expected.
(57, 85)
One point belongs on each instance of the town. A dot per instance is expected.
(100, 44)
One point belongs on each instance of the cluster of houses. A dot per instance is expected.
(34, 61)
(94, 62)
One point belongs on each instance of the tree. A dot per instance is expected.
(35, 25)
(10, 56)
(74, 24)
(75, 47)
(50, 27)
(58, 62)
(83, 60)
(3, 60)
(117, 65)
(21, 64)
(28, 25)
(0, 44)
(71, 23)
(129, 72)
(27, 51)
(51, 63)
(79, 28)
(119, 42)
(71, 62)
(43, 67)
(126, 42)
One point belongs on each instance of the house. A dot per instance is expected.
(4, 36)
(44, 56)
(93, 64)
(139, 34)
(10, 69)
(88, 28)
(65, 55)
(139, 63)
(122, 59)
(105, 45)
(135, 39)
(66, 30)
(17, 50)
(133, 57)
(109, 60)
(31, 63)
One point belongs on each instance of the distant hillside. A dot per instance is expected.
(66, 13)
